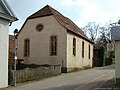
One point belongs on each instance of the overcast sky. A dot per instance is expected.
(79, 11)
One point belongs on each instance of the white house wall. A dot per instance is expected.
(78, 61)
(3, 53)
(117, 61)
(40, 41)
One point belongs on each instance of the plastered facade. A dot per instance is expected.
(40, 44)
(117, 61)
(4, 26)
(78, 61)
(40, 41)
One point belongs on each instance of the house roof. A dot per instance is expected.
(6, 12)
(64, 21)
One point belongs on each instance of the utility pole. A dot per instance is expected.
(15, 56)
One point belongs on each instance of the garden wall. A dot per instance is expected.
(29, 74)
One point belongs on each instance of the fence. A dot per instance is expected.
(29, 74)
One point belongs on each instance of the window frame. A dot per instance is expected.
(74, 46)
(83, 46)
(26, 47)
(53, 49)
(89, 51)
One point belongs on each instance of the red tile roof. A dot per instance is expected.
(64, 21)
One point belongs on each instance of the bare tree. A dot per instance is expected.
(92, 30)
(105, 33)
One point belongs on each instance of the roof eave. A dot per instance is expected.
(7, 7)
(7, 17)
(69, 31)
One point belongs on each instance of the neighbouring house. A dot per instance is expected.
(48, 37)
(117, 61)
(11, 46)
(115, 35)
(6, 18)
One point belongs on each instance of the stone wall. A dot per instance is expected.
(29, 74)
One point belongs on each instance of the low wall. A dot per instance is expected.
(29, 74)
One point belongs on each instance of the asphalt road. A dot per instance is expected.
(90, 79)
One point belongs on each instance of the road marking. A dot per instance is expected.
(92, 81)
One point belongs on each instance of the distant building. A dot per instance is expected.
(115, 33)
(6, 18)
(11, 46)
(48, 37)
(117, 61)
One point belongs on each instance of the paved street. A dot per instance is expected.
(82, 80)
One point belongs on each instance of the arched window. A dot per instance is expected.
(83, 49)
(26, 48)
(53, 45)
(89, 52)
(74, 46)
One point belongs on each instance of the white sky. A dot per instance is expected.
(79, 11)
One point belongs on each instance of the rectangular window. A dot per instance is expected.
(53, 45)
(74, 46)
(83, 49)
(89, 52)
(27, 48)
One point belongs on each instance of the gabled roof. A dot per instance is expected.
(64, 21)
(6, 12)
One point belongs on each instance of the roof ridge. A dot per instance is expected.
(74, 24)
(65, 22)
(50, 8)
(37, 13)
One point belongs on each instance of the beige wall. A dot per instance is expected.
(4, 29)
(40, 44)
(78, 61)
(117, 60)
(40, 41)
